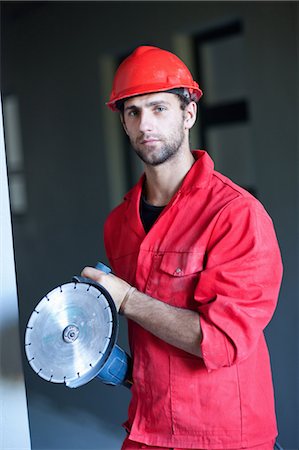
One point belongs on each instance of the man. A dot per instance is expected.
(197, 272)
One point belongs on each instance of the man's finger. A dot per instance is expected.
(91, 272)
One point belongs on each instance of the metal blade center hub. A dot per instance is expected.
(70, 333)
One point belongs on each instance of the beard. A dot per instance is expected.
(164, 150)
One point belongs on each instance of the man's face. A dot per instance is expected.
(155, 126)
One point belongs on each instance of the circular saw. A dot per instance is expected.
(71, 336)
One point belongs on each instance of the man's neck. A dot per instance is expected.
(164, 180)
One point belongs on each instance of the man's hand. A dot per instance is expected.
(117, 288)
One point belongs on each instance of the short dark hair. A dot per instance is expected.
(182, 93)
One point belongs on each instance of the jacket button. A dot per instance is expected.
(178, 270)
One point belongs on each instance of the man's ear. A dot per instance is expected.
(190, 115)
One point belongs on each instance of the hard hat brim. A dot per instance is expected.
(195, 91)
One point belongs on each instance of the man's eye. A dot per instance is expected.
(132, 113)
(160, 108)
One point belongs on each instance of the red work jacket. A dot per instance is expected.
(213, 250)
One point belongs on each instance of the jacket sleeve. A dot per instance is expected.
(238, 289)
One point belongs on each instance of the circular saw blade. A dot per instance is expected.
(69, 334)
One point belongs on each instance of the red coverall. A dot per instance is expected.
(212, 250)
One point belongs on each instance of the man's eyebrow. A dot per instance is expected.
(148, 105)
(131, 107)
(158, 102)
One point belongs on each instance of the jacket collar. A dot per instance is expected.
(198, 177)
(200, 174)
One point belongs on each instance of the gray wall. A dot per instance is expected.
(51, 55)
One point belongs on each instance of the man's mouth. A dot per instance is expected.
(150, 140)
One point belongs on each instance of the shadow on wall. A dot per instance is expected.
(76, 419)
(71, 429)
(9, 363)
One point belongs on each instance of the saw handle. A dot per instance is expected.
(117, 370)
(101, 266)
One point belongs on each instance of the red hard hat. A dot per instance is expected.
(151, 69)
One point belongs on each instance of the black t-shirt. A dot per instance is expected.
(149, 213)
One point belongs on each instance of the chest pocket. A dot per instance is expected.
(177, 276)
(180, 264)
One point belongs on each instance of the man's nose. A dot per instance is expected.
(146, 122)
